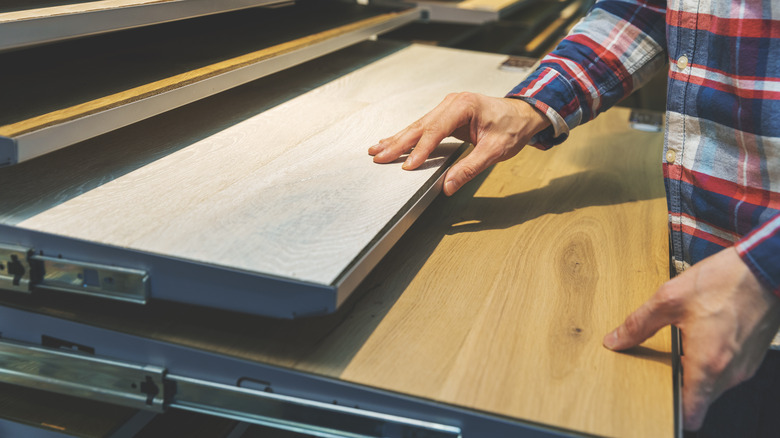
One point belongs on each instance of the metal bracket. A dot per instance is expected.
(81, 375)
(20, 269)
(14, 268)
(152, 388)
(103, 281)
(299, 415)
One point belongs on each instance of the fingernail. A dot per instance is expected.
(610, 341)
(408, 164)
(449, 187)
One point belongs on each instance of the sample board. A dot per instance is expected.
(283, 200)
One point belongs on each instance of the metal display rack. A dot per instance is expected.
(28, 26)
(52, 128)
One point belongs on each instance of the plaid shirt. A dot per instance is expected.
(721, 157)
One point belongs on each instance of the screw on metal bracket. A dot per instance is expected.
(16, 268)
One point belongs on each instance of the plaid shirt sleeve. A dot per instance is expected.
(615, 49)
(760, 250)
(722, 149)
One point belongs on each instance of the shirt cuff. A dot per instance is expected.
(549, 92)
(760, 250)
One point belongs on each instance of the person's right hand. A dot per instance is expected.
(497, 127)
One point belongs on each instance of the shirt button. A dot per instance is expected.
(682, 62)
(671, 156)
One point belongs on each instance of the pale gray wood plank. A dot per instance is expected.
(289, 192)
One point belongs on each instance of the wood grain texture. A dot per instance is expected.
(300, 202)
(201, 70)
(495, 300)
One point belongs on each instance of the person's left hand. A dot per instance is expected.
(727, 320)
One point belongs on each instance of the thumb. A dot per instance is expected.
(640, 325)
(465, 170)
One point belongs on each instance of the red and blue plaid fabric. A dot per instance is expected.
(722, 145)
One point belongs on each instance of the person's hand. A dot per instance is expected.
(498, 127)
(727, 320)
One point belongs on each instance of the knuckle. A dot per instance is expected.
(469, 172)
(632, 325)
(715, 363)
(668, 297)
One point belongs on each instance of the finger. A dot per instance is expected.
(424, 147)
(389, 149)
(697, 395)
(482, 157)
(644, 322)
(439, 124)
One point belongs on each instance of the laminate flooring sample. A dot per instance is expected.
(288, 193)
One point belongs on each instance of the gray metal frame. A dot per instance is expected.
(25, 33)
(218, 377)
(33, 144)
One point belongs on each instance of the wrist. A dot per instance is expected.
(536, 120)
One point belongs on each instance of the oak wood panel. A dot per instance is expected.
(123, 71)
(495, 300)
(299, 203)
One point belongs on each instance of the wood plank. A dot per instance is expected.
(112, 78)
(496, 299)
(32, 12)
(298, 203)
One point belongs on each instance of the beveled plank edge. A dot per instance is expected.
(56, 130)
(18, 34)
(373, 253)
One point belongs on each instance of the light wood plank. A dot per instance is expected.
(74, 8)
(200, 70)
(299, 203)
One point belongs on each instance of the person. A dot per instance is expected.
(721, 163)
